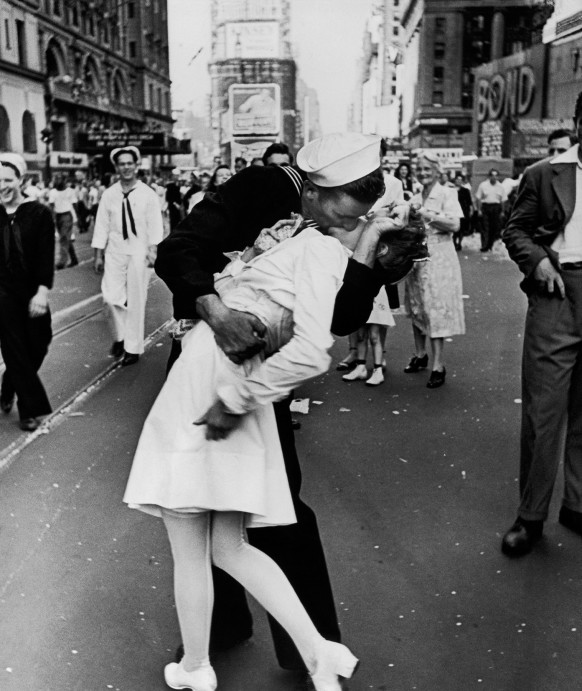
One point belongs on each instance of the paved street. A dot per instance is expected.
(413, 489)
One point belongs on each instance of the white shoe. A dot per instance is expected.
(201, 679)
(359, 372)
(376, 378)
(333, 660)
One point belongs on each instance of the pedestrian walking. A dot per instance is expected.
(544, 237)
(466, 202)
(128, 228)
(62, 200)
(433, 291)
(210, 483)
(490, 200)
(26, 277)
(174, 201)
(343, 182)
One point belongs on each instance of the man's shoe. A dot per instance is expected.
(521, 537)
(571, 519)
(416, 364)
(29, 424)
(436, 379)
(6, 404)
(117, 349)
(129, 359)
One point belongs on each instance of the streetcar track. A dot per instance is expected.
(9, 453)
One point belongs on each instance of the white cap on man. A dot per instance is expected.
(336, 159)
(133, 151)
(14, 161)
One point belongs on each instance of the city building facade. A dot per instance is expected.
(443, 42)
(253, 77)
(80, 77)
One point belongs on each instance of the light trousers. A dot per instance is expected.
(125, 289)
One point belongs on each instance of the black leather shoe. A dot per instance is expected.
(436, 379)
(117, 349)
(129, 359)
(6, 404)
(416, 364)
(29, 424)
(571, 519)
(521, 537)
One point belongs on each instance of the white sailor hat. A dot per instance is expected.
(132, 150)
(15, 161)
(336, 159)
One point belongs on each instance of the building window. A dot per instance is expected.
(57, 8)
(160, 104)
(396, 3)
(91, 25)
(132, 49)
(130, 10)
(75, 15)
(151, 90)
(439, 50)
(21, 42)
(28, 133)
(440, 25)
(393, 90)
(437, 98)
(479, 22)
(168, 104)
(438, 74)
(7, 34)
(4, 130)
(395, 30)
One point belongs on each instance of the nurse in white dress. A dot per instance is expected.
(209, 491)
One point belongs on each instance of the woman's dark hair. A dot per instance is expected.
(60, 183)
(212, 184)
(407, 245)
(366, 190)
(578, 108)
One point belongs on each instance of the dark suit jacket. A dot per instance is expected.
(544, 204)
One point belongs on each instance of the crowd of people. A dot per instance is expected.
(265, 263)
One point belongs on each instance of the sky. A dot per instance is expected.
(326, 36)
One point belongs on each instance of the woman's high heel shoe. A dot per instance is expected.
(201, 679)
(333, 660)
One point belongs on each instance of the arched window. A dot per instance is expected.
(29, 145)
(118, 91)
(55, 60)
(4, 130)
(91, 76)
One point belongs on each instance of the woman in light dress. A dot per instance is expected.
(209, 483)
(433, 296)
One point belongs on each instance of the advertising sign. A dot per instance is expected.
(146, 142)
(249, 148)
(255, 109)
(68, 160)
(252, 40)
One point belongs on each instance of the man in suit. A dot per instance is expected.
(340, 181)
(544, 238)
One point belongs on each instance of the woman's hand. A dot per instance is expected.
(219, 423)
(38, 304)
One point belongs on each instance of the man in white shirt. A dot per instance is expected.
(128, 228)
(544, 237)
(490, 200)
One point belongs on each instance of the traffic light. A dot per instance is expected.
(47, 135)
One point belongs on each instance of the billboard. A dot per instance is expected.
(252, 40)
(255, 109)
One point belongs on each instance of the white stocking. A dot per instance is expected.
(193, 590)
(264, 580)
